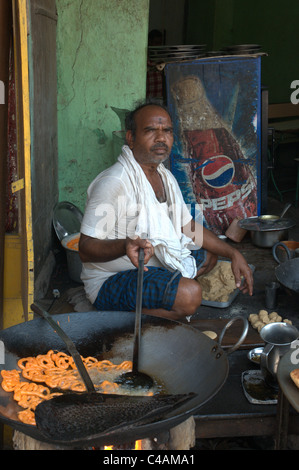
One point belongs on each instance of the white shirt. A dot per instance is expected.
(112, 212)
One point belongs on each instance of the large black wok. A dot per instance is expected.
(182, 358)
(287, 273)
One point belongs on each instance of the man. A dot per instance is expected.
(137, 203)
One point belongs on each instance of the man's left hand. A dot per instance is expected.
(241, 269)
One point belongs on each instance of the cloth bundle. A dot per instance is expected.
(159, 225)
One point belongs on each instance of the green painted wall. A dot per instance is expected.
(271, 23)
(101, 62)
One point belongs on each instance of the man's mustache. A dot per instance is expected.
(159, 146)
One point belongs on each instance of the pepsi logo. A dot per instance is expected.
(218, 171)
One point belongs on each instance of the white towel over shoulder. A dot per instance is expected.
(171, 246)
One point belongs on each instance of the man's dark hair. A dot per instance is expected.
(130, 123)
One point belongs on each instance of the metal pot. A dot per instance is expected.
(266, 239)
(278, 338)
(180, 357)
(74, 263)
(265, 231)
(67, 220)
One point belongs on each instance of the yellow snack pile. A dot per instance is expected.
(258, 321)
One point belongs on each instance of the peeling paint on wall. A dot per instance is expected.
(102, 138)
(101, 63)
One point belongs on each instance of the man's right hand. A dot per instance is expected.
(94, 250)
(132, 250)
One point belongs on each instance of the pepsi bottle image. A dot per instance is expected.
(219, 173)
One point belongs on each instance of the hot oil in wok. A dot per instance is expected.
(110, 384)
(107, 381)
(70, 416)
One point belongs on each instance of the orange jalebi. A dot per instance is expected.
(56, 370)
(11, 378)
(27, 416)
(109, 387)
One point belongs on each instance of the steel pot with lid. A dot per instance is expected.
(67, 220)
(265, 232)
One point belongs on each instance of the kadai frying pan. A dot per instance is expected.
(176, 355)
(287, 274)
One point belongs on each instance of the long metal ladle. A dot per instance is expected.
(135, 378)
(275, 218)
(285, 209)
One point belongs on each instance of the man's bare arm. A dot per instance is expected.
(94, 250)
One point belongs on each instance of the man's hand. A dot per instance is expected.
(93, 250)
(132, 250)
(212, 244)
(241, 269)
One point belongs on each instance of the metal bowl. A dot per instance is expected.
(266, 239)
(267, 230)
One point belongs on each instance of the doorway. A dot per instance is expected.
(169, 17)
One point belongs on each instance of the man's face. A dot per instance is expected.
(154, 135)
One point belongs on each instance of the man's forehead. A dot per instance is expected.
(152, 113)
